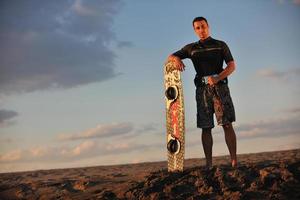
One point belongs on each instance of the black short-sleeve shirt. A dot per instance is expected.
(207, 56)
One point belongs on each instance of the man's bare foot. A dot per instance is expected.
(208, 168)
(234, 163)
(208, 164)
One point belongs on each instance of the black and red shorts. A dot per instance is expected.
(214, 100)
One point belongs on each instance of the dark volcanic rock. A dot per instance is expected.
(256, 181)
(271, 175)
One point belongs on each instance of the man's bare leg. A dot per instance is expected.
(207, 143)
(230, 139)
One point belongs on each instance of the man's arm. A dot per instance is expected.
(228, 69)
(225, 73)
(178, 62)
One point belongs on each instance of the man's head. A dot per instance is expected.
(201, 28)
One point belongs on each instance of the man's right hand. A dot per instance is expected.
(178, 62)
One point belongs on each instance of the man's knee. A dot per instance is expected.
(227, 126)
(206, 130)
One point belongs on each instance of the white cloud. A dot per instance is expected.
(6, 141)
(14, 155)
(113, 147)
(295, 110)
(278, 75)
(84, 147)
(289, 125)
(82, 10)
(38, 151)
(146, 128)
(125, 44)
(292, 145)
(6, 116)
(100, 131)
(253, 132)
(55, 44)
(270, 73)
(297, 2)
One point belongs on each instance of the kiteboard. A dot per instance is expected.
(174, 117)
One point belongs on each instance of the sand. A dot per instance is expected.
(269, 175)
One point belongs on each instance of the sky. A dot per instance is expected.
(81, 82)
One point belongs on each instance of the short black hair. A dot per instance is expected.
(199, 19)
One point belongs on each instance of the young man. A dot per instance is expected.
(212, 92)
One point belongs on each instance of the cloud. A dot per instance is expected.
(82, 10)
(55, 44)
(297, 2)
(125, 44)
(146, 128)
(292, 145)
(269, 128)
(278, 75)
(6, 116)
(120, 148)
(38, 151)
(126, 130)
(280, 1)
(270, 73)
(48, 153)
(12, 156)
(100, 131)
(149, 129)
(86, 149)
(6, 141)
(295, 110)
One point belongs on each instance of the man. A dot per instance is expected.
(212, 92)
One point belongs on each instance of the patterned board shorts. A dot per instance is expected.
(214, 100)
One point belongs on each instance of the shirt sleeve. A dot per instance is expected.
(227, 54)
(183, 53)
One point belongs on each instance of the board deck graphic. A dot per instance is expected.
(174, 117)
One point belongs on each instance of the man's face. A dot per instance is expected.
(201, 29)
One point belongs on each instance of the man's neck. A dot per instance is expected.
(204, 40)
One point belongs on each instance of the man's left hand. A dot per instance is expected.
(213, 80)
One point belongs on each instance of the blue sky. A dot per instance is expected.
(81, 82)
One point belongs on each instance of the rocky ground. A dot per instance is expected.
(270, 175)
